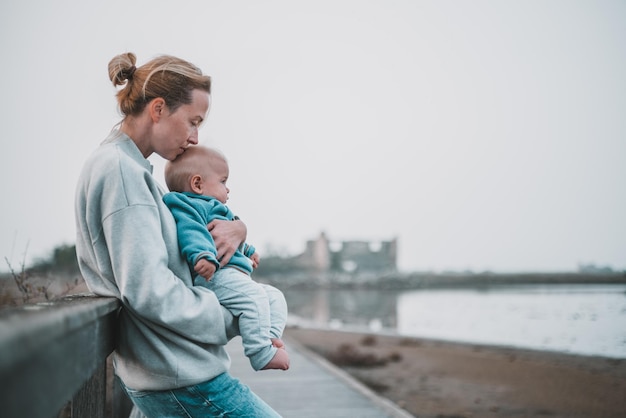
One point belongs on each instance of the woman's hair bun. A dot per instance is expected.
(121, 68)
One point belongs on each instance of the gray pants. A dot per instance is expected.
(260, 308)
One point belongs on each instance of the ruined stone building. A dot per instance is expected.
(324, 255)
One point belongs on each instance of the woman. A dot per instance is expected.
(170, 352)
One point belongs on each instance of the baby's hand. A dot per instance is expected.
(256, 259)
(205, 268)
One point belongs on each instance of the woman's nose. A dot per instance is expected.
(193, 138)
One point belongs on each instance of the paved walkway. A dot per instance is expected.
(311, 388)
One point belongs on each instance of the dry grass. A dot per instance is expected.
(24, 288)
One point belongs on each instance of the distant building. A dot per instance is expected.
(324, 255)
(593, 269)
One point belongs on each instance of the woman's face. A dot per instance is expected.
(177, 130)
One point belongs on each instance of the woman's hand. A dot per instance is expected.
(228, 236)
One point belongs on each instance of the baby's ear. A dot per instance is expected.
(196, 184)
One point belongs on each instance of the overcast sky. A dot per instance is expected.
(481, 134)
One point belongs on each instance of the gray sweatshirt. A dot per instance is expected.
(170, 333)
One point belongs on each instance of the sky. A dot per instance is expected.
(483, 135)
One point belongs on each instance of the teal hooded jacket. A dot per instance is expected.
(192, 213)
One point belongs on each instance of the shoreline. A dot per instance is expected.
(365, 331)
(431, 378)
(435, 280)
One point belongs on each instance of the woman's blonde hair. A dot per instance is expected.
(168, 77)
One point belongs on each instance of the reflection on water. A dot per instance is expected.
(344, 307)
(581, 319)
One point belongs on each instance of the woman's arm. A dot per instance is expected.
(228, 236)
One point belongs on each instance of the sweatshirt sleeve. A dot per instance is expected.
(247, 249)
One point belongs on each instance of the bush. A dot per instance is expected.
(348, 355)
(62, 260)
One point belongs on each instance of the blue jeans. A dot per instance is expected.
(222, 396)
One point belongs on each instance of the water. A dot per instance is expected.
(578, 319)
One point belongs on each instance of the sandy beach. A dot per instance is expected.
(440, 379)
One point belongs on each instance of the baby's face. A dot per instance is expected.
(214, 179)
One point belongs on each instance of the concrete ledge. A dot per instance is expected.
(54, 352)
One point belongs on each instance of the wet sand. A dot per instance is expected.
(447, 380)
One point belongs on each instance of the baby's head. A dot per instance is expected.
(200, 170)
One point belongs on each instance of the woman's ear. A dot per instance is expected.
(196, 184)
(156, 107)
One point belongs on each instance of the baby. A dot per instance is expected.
(198, 194)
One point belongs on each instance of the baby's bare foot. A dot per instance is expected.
(280, 361)
(277, 342)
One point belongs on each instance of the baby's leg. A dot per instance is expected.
(278, 310)
(278, 314)
(248, 301)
